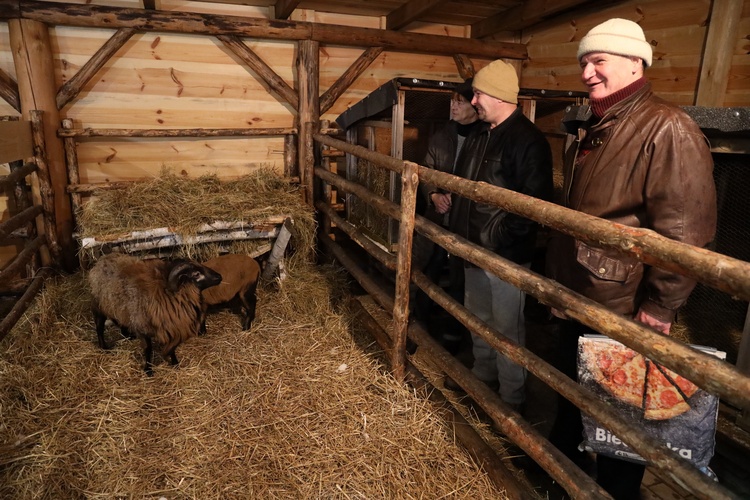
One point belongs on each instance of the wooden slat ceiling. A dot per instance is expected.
(484, 17)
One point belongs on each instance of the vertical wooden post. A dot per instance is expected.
(290, 156)
(22, 198)
(308, 63)
(71, 158)
(409, 183)
(32, 56)
(46, 196)
(743, 364)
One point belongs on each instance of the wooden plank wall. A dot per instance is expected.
(677, 30)
(175, 81)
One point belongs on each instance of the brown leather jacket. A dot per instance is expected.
(648, 165)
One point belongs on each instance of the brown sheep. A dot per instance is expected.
(239, 282)
(154, 300)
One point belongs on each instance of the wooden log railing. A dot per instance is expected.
(723, 379)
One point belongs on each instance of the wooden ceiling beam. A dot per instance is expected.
(408, 12)
(522, 16)
(98, 16)
(284, 8)
(339, 87)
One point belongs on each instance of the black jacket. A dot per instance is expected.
(441, 155)
(514, 155)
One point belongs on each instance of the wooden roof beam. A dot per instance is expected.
(522, 16)
(717, 56)
(284, 8)
(351, 74)
(408, 12)
(99, 16)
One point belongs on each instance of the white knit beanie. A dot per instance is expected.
(617, 36)
(499, 80)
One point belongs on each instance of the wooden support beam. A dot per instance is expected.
(263, 70)
(99, 16)
(149, 4)
(71, 160)
(72, 87)
(409, 184)
(9, 91)
(291, 168)
(20, 219)
(717, 56)
(46, 193)
(35, 70)
(408, 12)
(282, 9)
(464, 65)
(522, 16)
(308, 73)
(16, 175)
(352, 73)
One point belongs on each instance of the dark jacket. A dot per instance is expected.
(441, 155)
(514, 155)
(648, 166)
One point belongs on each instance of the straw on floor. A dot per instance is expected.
(298, 407)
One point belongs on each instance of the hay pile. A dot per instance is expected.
(185, 204)
(295, 408)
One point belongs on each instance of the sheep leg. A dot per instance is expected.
(99, 321)
(173, 357)
(148, 354)
(249, 300)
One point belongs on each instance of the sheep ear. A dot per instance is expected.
(178, 275)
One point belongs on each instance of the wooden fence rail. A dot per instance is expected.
(715, 375)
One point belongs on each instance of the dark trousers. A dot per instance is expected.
(620, 478)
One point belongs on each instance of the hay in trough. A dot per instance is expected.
(185, 204)
(294, 408)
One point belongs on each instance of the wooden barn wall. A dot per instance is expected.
(676, 29)
(161, 80)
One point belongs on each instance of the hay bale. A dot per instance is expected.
(292, 409)
(185, 204)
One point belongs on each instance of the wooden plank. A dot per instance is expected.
(464, 66)
(408, 12)
(723, 28)
(72, 87)
(15, 141)
(284, 8)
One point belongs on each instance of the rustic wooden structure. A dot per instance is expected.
(225, 86)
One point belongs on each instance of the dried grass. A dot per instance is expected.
(185, 204)
(295, 408)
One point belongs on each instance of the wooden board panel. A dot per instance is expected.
(15, 141)
(127, 160)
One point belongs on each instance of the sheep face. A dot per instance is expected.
(184, 272)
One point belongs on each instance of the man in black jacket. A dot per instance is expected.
(508, 151)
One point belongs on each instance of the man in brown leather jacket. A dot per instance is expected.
(639, 161)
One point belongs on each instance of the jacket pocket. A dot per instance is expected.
(602, 265)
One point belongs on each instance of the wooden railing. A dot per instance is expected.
(708, 372)
(34, 221)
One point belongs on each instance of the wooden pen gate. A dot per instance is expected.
(712, 269)
(32, 222)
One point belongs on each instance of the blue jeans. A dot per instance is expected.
(500, 305)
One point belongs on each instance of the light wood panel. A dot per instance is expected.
(127, 160)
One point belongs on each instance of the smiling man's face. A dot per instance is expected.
(604, 73)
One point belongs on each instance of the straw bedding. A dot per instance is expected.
(294, 408)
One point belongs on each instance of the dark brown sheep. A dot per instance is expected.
(154, 300)
(239, 282)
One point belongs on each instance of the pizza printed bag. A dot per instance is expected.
(650, 397)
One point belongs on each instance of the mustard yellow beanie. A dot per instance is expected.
(499, 80)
